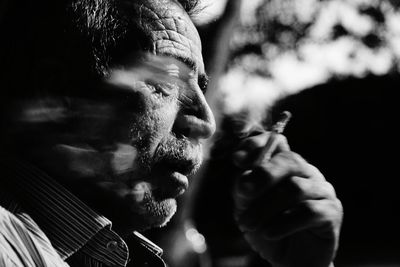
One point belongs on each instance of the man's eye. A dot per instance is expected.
(165, 89)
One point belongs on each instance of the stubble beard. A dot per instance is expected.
(172, 154)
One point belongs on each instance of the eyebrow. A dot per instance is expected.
(203, 78)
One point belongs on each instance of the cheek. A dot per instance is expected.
(153, 123)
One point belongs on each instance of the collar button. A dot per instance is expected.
(112, 246)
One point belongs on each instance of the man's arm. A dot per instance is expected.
(285, 208)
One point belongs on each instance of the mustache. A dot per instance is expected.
(178, 154)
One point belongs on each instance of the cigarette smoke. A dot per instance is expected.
(80, 124)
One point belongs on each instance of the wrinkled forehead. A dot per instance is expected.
(169, 29)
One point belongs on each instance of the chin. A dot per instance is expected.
(156, 213)
(162, 213)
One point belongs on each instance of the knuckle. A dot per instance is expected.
(338, 208)
(292, 158)
(313, 168)
(296, 158)
(330, 190)
(315, 172)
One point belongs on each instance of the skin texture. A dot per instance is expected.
(129, 157)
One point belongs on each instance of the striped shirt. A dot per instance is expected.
(43, 224)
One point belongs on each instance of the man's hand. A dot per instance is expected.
(285, 208)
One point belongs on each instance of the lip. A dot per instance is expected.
(172, 185)
(182, 181)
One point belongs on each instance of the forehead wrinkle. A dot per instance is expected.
(153, 14)
(170, 32)
(173, 27)
(148, 13)
(178, 51)
(168, 21)
(167, 30)
(160, 36)
(172, 49)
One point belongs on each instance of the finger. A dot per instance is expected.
(289, 163)
(258, 181)
(253, 213)
(320, 216)
(282, 166)
(248, 151)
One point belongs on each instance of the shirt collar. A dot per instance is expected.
(68, 222)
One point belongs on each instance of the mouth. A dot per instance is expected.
(174, 161)
(171, 185)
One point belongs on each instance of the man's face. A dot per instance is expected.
(132, 157)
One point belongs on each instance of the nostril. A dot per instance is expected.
(181, 132)
(193, 127)
(195, 120)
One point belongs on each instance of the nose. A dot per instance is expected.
(195, 119)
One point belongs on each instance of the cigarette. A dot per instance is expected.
(271, 144)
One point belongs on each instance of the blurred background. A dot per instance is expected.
(335, 65)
